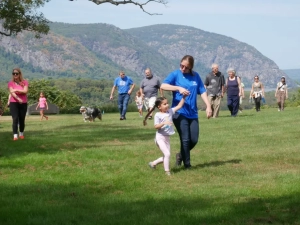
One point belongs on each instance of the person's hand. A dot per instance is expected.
(20, 100)
(208, 112)
(183, 91)
(111, 97)
(129, 92)
(184, 96)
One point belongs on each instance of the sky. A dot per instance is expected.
(270, 26)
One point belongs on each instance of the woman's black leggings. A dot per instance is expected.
(18, 113)
(257, 103)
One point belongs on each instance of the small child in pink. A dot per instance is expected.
(163, 124)
(139, 102)
(42, 105)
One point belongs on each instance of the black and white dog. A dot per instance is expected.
(90, 114)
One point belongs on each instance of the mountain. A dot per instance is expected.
(99, 51)
(294, 74)
(174, 41)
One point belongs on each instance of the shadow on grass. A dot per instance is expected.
(74, 137)
(89, 204)
(209, 164)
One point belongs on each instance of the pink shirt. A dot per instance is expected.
(42, 102)
(20, 86)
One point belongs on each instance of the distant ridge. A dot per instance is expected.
(99, 51)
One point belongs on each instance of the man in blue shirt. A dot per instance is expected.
(123, 84)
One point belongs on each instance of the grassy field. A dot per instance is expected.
(246, 170)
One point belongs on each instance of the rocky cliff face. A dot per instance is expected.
(174, 41)
(84, 50)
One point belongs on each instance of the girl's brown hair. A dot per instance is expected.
(157, 104)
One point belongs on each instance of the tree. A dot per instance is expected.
(141, 5)
(19, 15)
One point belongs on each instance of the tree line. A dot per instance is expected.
(69, 94)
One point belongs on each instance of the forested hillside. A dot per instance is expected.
(99, 51)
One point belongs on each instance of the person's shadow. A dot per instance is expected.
(210, 164)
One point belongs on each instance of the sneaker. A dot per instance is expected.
(168, 173)
(178, 159)
(21, 137)
(150, 117)
(278, 110)
(151, 166)
(121, 118)
(15, 139)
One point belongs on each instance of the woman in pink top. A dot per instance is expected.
(42, 105)
(18, 88)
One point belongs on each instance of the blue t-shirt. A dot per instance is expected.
(123, 84)
(193, 84)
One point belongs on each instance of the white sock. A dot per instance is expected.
(21, 134)
(15, 135)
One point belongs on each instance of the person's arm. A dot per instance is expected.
(286, 92)
(14, 95)
(131, 89)
(24, 91)
(8, 99)
(161, 92)
(223, 86)
(251, 92)
(208, 106)
(240, 87)
(46, 104)
(180, 104)
(37, 105)
(169, 87)
(142, 93)
(112, 92)
(262, 90)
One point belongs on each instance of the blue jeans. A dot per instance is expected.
(233, 103)
(123, 100)
(188, 130)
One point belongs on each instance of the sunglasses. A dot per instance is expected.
(184, 67)
(15, 74)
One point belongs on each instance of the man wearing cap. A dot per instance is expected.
(214, 84)
(149, 88)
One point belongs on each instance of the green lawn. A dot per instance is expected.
(246, 170)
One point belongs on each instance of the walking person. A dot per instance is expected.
(42, 105)
(281, 93)
(139, 102)
(257, 92)
(233, 88)
(186, 81)
(164, 125)
(149, 88)
(215, 86)
(18, 88)
(125, 86)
